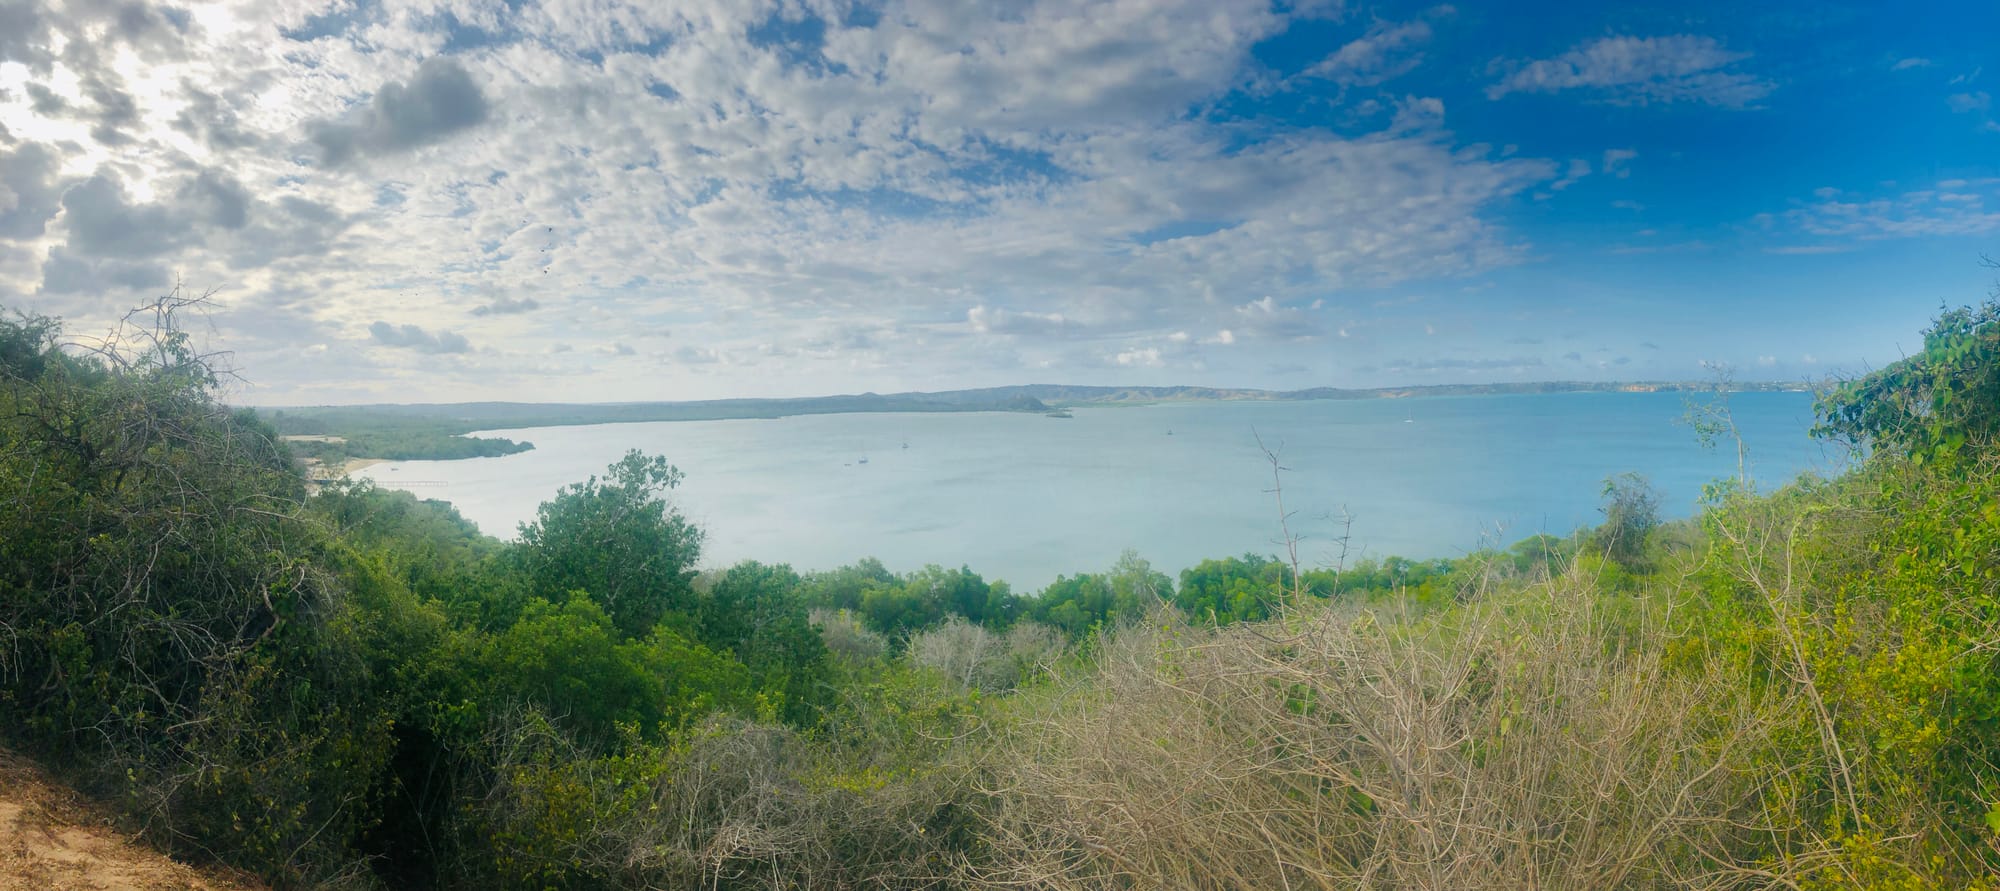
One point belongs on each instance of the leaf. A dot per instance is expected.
(1993, 819)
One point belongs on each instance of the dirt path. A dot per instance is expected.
(52, 838)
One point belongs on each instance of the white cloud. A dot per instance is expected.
(987, 320)
(1954, 208)
(1640, 71)
(1618, 162)
(1909, 63)
(1148, 357)
(1386, 52)
(1039, 164)
(1966, 103)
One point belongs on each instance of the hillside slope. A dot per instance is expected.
(52, 839)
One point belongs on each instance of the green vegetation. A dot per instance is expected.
(354, 688)
(437, 432)
(403, 445)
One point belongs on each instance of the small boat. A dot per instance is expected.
(906, 445)
(1170, 431)
(862, 461)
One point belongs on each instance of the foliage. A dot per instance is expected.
(1234, 589)
(757, 614)
(1084, 603)
(168, 622)
(618, 539)
(1631, 513)
(1799, 689)
(1930, 405)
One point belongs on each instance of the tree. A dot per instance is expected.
(619, 540)
(1631, 513)
(1930, 405)
(1234, 589)
(169, 626)
(757, 611)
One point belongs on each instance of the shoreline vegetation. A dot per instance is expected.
(438, 431)
(355, 689)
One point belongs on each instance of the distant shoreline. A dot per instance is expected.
(438, 431)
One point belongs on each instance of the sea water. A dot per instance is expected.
(1025, 497)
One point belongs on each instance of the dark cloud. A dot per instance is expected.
(694, 355)
(211, 205)
(23, 33)
(66, 273)
(27, 29)
(415, 338)
(1650, 345)
(439, 100)
(209, 119)
(507, 306)
(115, 111)
(289, 227)
(1573, 356)
(103, 224)
(217, 198)
(45, 102)
(29, 190)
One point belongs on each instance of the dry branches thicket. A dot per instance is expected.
(1536, 740)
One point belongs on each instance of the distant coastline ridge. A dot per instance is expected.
(335, 433)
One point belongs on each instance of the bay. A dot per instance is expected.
(1024, 497)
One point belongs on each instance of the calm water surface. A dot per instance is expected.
(1024, 497)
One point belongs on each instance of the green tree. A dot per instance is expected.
(1631, 513)
(1929, 405)
(757, 612)
(1081, 603)
(1233, 589)
(169, 627)
(618, 539)
(572, 662)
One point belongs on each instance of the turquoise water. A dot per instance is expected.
(1024, 497)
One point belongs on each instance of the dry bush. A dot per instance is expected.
(846, 637)
(1537, 739)
(734, 804)
(978, 659)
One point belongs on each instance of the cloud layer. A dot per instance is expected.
(524, 198)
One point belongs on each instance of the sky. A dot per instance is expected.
(586, 200)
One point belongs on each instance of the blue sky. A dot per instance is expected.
(587, 200)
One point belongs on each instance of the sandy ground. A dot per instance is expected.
(354, 464)
(53, 838)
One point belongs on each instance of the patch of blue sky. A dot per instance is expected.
(331, 23)
(997, 163)
(798, 40)
(464, 38)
